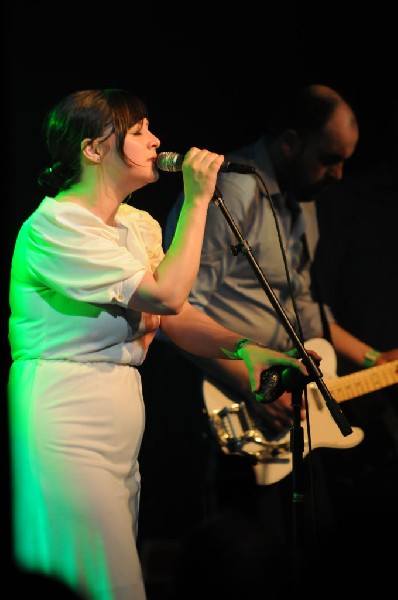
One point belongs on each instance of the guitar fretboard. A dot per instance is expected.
(363, 382)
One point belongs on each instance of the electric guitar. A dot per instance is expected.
(239, 431)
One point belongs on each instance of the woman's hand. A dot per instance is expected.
(200, 169)
(258, 358)
(278, 414)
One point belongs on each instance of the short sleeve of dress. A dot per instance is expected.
(150, 230)
(72, 251)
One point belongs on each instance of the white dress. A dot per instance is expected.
(75, 399)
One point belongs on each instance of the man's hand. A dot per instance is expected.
(276, 416)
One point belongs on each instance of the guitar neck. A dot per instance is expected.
(363, 382)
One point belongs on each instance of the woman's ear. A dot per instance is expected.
(290, 142)
(90, 150)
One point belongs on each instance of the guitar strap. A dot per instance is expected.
(310, 242)
(316, 292)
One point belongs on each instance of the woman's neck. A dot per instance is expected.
(100, 202)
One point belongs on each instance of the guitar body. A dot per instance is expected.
(240, 431)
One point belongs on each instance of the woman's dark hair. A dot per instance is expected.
(86, 114)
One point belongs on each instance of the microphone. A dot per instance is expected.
(172, 162)
(276, 380)
(271, 385)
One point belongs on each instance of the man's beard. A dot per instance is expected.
(312, 192)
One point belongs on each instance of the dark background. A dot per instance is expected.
(208, 72)
(207, 78)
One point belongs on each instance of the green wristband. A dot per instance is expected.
(370, 358)
(240, 344)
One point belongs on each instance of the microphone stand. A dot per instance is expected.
(294, 382)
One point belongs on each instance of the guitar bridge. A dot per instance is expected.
(234, 430)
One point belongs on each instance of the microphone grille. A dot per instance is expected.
(169, 161)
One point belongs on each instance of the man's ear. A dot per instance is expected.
(290, 142)
(89, 148)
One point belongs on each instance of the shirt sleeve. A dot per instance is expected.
(70, 250)
(217, 257)
(149, 231)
